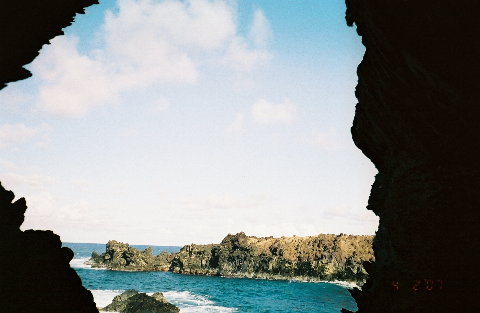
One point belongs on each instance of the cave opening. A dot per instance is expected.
(256, 110)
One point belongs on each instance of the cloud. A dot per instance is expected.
(161, 105)
(260, 32)
(239, 57)
(265, 112)
(146, 43)
(12, 97)
(11, 134)
(31, 180)
(237, 125)
(222, 202)
(327, 140)
(72, 84)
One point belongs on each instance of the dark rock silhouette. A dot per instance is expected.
(315, 258)
(35, 275)
(418, 120)
(131, 301)
(25, 26)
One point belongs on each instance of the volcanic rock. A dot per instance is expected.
(131, 301)
(315, 258)
(121, 256)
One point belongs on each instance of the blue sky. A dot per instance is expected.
(170, 122)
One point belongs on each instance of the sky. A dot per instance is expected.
(175, 122)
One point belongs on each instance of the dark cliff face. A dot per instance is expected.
(418, 120)
(25, 26)
(34, 272)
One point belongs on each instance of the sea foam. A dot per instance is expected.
(80, 263)
(103, 298)
(187, 302)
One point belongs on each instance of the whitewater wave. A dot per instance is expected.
(103, 298)
(80, 263)
(192, 303)
(346, 284)
(187, 302)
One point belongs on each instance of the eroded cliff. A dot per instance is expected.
(315, 258)
(418, 119)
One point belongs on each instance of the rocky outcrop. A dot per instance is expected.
(322, 257)
(121, 256)
(315, 258)
(131, 301)
(25, 26)
(417, 119)
(35, 275)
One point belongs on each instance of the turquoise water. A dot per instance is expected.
(211, 294)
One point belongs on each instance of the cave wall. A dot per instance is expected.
(25, 26)
(35, 275)
(418, 120)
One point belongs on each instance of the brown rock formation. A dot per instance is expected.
(34, 272)
(121, 256)
(315, 258)
(418, 120)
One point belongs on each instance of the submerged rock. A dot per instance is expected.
(119, 303)
(131, 301)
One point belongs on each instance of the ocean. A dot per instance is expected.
(202, 294)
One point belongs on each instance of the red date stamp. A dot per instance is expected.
(418, 285)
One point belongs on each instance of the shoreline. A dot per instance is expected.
(323, 258)
(295, 279)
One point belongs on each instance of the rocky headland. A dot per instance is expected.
(131, 301)
(315, 258)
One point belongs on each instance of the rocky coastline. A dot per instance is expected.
(324, 257)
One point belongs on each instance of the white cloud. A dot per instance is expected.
(220, 202)
(12, 97)
(265, 112)
(327, 140)
(260, 32)
(11, 134)
(237, 125)
(161, 105)
(146, 43)
(32, 180)
(241, 58)
(72, 83)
